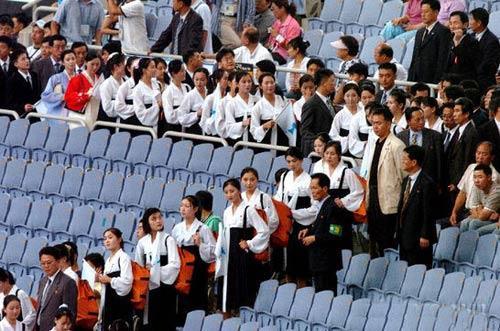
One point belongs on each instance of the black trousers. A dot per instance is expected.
(325, 280)
(381, 228)
(416, 255)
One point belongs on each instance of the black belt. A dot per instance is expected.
(343, 132)
(129, 102)
(363, 136)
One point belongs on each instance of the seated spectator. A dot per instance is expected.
(485, 203)
(225, 59)
(23, 88)
(230, 18)
(448, 7)
(192, 61)
(386, 79)
(410, 22)
(37, 36)
(184, 31)
(251, 50)
(432, 114)
(284, 29)
(78, 20)
(264, 19)
(347, 50)
(384, 53)
(464, 53)
(313, 65)
(297, 48)
(420, 90)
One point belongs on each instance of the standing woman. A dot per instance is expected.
(239, 109)
(10, 312)
(397, 105)
(173, 94)
(157, 251)
(109, 88)
(191, 107)
(116, 280)
(220, 118)
(296, 50)
(360, 130)
(82, 94)
(236, 246)
(124, 104)
(342, 121)
(52, 98)
(146, 96)
(295, 192)
(161, 73)
(212, 101)
(283, 30)
(8, 287)
(265, 111)
(319, 149)
(196, 238)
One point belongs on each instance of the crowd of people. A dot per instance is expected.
(419, 159)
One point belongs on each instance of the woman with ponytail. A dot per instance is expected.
(109, 89)
(296, 49)
(212, 101)
(173, 95)
(147, 96)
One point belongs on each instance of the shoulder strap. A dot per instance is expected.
(17, 292)
(245, 218)
(262, 200)
(283, 186)
(342, 178)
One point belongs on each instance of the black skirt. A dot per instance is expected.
(197, 297)
(297, 254)
(116, 306)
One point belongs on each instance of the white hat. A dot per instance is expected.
(40, 23)
(338, 44)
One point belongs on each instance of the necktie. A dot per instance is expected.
(447, 140)
(426, 32)
(414, 139)
(384, 98)
(330, 106)
(79, 71)
(28, 79)
(406, 194)
(56, 67)
(4, 66)
(454, 139)
(175, 49)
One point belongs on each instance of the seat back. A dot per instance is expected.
(82, 220)
(284, 299)
(466, 246)
(92, 184)
(194, 320)
(18, 130)
(14, 173)
(446, 243)
(390, 10)
(221, 160)
(445, 318)
(53, 178)
(408, 54)
(314, 37)
(485, 250)
(357, 269)
(125, 221)
(495, 303)
(469, 291)
(302, 303)
(366, 52)
(320, 307)
(201, 157)
(37, 135)
(4, 127)
(370, 12)
(212, 322)
(77, 140)
(58, 134)
(429, 315)
(118, 146)
(396, 272)
(376, 272)
(98, 142)
(19, 211)
(262, 163)
(4, 207)
(413, 280)
(103, 219)
(398, 46)
(181, 153)
(350, 11)
(326, 50)
(61, 213)
(358, 314)
(339, 310)
(451, 288)
(139, 149)
(33, 246)
(266, 295)
(34, 176)
(485, 294)
(14, 248)
(39, 214)
(111, 187)
(153, 192)
(160, 151)
(431, 284)
(231, 324)
(132, 189)
(241, 159)
(172, 194)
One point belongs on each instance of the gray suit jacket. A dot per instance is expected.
(44, 69)
(62, 291)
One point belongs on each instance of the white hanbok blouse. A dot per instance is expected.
(342, 121)
(438, 125)
(146, 105)
(297, 108)
(290, 188)
(236, 108)
(29, 312)
(262, 112)
(171, 99)
(187, 111)
(184, 237)
(359, 124)
(108, 91)
(266, 204)
(124, 99)
(210, 111)
(220, 117)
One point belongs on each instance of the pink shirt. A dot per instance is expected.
(414, 12)
(448, 7)
(286, 31)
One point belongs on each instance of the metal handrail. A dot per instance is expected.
(218, 140)
(33, 5)
(274, 148)
(47, 9)
(60, 118)
(126, 126)
(10, 113)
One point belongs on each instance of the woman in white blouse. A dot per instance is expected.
(10, 312)
(109, 88)
(116, 280)
(397, 105)
(63, 319)
(239, 109)
(124, 104)
(319, 145)
(195, 237)
(220, 118)
(27, 315)
(242, 234)
(342, 121)
(296, 49)
(191, 107)
(263, 126)
(432, 114)
(157, 251)
(360, 123)
(173, 94)
(147, 96)
(210, 108)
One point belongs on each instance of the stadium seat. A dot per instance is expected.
(103, 219)
(18, 214)
(355, 274)
(337, 316)
(250, 326)
(326, 51)
(32, 181)
(56, 141)
(117, 150)
(4, 127)
(241, 160)
(281, 305)
(464, 252)
(37, 218)
(30, 257)
(469, 291)
(164, 18)
(131, 193)
(262, 163)
(314, 37)
(4, 207)
(158, 155)
(111, 190)
(373, 278)
(445, 318)
(181, 153)
(377, 315)
(494, 309)
(220, 202)
(79, 224)
(58, 220)
(446, 245)
(494, 25)
(395, 316)
(390, 10)
(411, 284)
(346, 259)
(358, 314)
(495, 6)
(37, 136)
(212, 322)
(76, 143)
(150, 7)
(483, 256)
(3, 165)
(431, 286)
(137, 153)
(485, 295)
(51, 182)
(451, 288)
(398, 46)
(172, 195)
(96, 147)
(331, 11)
(408, 53)
(369, 15)
(125, 221)
(366, 52)
(13, 175)
(151, 196)
(349, 14)
(14, 250)
(299, 310)
(25, 283)
(428, 317)
(392, 281)
(151, 22)
(91, 187)
(16, 135)
(221, 160)
(490, 272)
(194, 320)
(231, 324)
(193, 188)
(200, 161)
(318, 313)
(473, 4)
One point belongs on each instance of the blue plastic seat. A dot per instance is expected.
(164, 18)
(349, 14)
(250, 326)
(446, 245)
(14, 250)
(241, 159)
(193, 188)
(485, 295)
(494, 309)
(30, 256)
(469, 291)
(281, 306)
(412, 282)
(373, 279)
(131, 193)
(18, 214)
(431, 286)
(392, 282)
(429, 315)
(408, 54)
(464, 252)
(412, 316)
(37, 136)
(231, 324)
(125, 221)
(111, 190)
(221, 160)
(366, 52)
(158, 155)
(315, 38)
(220, 201)
(262, 163)
(56, 140)
(490, 272)
(76, 143)
(172, 195)
(194, 320)
(278, 164)
(326, 51)
(369, 15)
(398, 46)
(395, 316)
(200, 161)
(331, 11)
(32, 181)
(445, 318)
(358, 314)
(18, 130)
(451, 288)
(3, 165)
(318, 313)
(212, 322)
(4, 206)
(13, 176)
(103, 219)
(37, 218)
(80, 224)
(483, 256)
(91, 187)
(473, 4)
(25, 283)
(4, 127)
(137, 153)
(390, 11)
(151, 196)
(58, 220)
(355, 274)
(51, 182)
(117, 149)
(377, 315)
(300, 308)
(150, 7)
(179, 158)
(96, 147)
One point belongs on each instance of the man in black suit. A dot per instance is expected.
(317, 112)
(184, 32)
(6, 67)
(326, 237)
(432, 46)
(192, 60)
(488, 46)
(55, 289)
(23, 88)
(428, 139)
(491, 132)
(416, 231)
(45, 68)
(387, 73)
(463, 59)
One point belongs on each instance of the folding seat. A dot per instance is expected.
(137, 153)
(181, 153)
(412, 283)
(150, 7)
(172, 195)
(37, 136)
(431, 286)
(221, 160)
(480, 322)
(13, 176)
(446, 244)
(366, 52)
(490, 272)
(412, 316)
(326, 51)
(495, 6)
(220, 201)
(318, 313)
(25, 283)
(117, 149)
(300, 308)
(125, 221)
(358, 314)
(377, 315)
(278, 164)
(98, 250)
(392, 282)
(18, 214)
(91, 187)
(131, 193)
(241, 159)
(3, 165)
(158, 156)
(429, 315)
(390, 10)
(398, 46)
(80, 224)
(262, 163)
(194, 320)
(51, 182)
(111, 190)
(315, 38)
(231, 324)
(96, 147)
(4, 206)
(56, 140)
(451, 288)
(349, 14)
(346, 259)
(463, 320)
(200, 161)
(250, 326)
(373, 279)
(269, 328)
(18, 129)
(408, 54)
(485, 295)
(37, 218)
(76, 143)
(355, 273)
(464, 252)
(151, 196)
(191, 189)
(212, 322)
(14, 250)
(395, 316)
(469, 291)
(3, 240)
(4, 127)
(30, 256)
(32, 181)
(473, 4)
(170, 222)
(483, 256)
(494, 310)
(58, 220)
(369, 15)
(281, 305)
(331, 11)
(103, 219)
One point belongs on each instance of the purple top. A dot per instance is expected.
(448, 7)
(413, 11)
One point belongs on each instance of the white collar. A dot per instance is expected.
(430, 27)
(413, 177)
(25, 75)
(480, 35)
(51, 278)
(54, 61)
(6, 61)
(320, 203)
(462, 127)
(325, 99)
(183, 17)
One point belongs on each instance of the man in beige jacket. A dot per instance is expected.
(384, 183)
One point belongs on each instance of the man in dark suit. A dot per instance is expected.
(463, 59)
(326, 237)
(23, 87)
(432, 46)
(6, 67)
(54, 290)
(317, 112)
(430, 140)
(488, 46)
(184, 32)
(416, 231)
(192, 60)
(491, 132)
(387, 73)
(45, 68)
